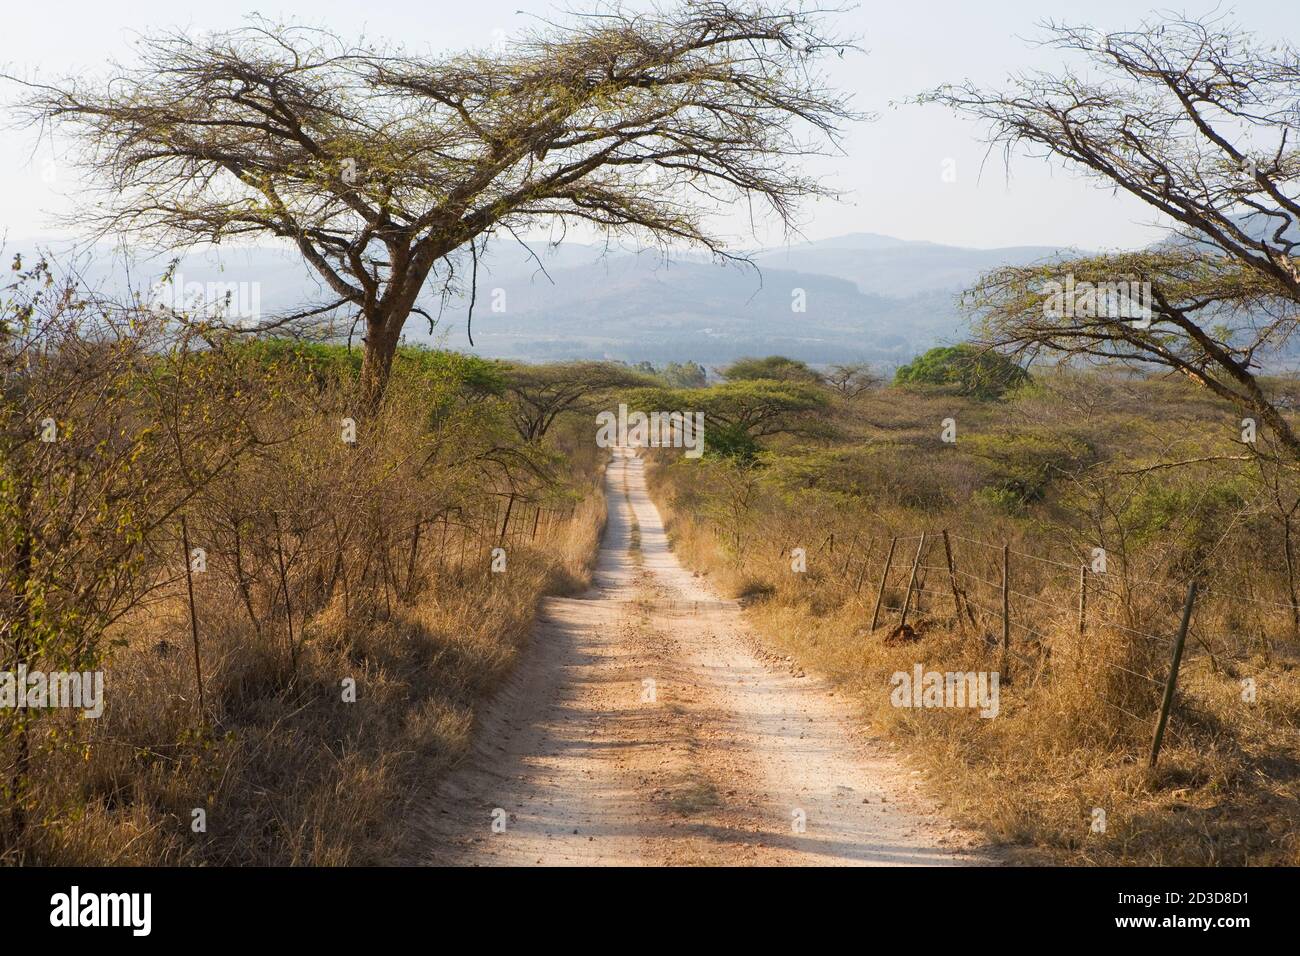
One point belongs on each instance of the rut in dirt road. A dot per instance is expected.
(643, 726)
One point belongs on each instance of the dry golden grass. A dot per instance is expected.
(291, 774)
(1075, 726)
(287, 772)
(1227, 788)
(331, 566)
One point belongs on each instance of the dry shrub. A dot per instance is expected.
(325, 566)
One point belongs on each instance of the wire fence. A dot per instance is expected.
(461, 544)
(1021, 604)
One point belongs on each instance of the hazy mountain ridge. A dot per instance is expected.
(900, 268)
(864, 297)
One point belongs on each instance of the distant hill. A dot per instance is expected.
(628, 306)
(882, 265)
(867, 297)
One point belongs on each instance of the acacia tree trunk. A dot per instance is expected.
(386, 316)
(382, 337)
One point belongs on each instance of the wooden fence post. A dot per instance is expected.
(194, 616)
(866, 562)
(442, 546)
(413, 558)
(884, 574)
(952, 580)
(911, 583)
(1083, 597)
(1172, 681)
(537, 516)
(848, 554)
(284, 589)
(464, 540)
(1006, 615)
(505, 525)
(487, 529)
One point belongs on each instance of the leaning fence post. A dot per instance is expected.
(284, 589)
(194, 616)
(952, 580)
(1172, 681)
(848, 554)
(884, 574)
(1006, 614)
(505, 525)
(911, 583)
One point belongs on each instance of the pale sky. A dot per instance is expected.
(891, 175)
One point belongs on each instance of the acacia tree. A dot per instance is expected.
(539, 394)
(1197, 119)
(774, 367)
(389, 170)
(852, 379)
(737, 415)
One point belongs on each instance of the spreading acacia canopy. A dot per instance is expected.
(388, 169)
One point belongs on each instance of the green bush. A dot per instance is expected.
(974, 372)
(776, 367)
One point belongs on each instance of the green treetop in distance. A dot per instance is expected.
(967, 369)
(776, 367)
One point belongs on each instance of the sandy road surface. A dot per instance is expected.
(644, 726)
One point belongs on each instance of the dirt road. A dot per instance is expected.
(644, 726)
